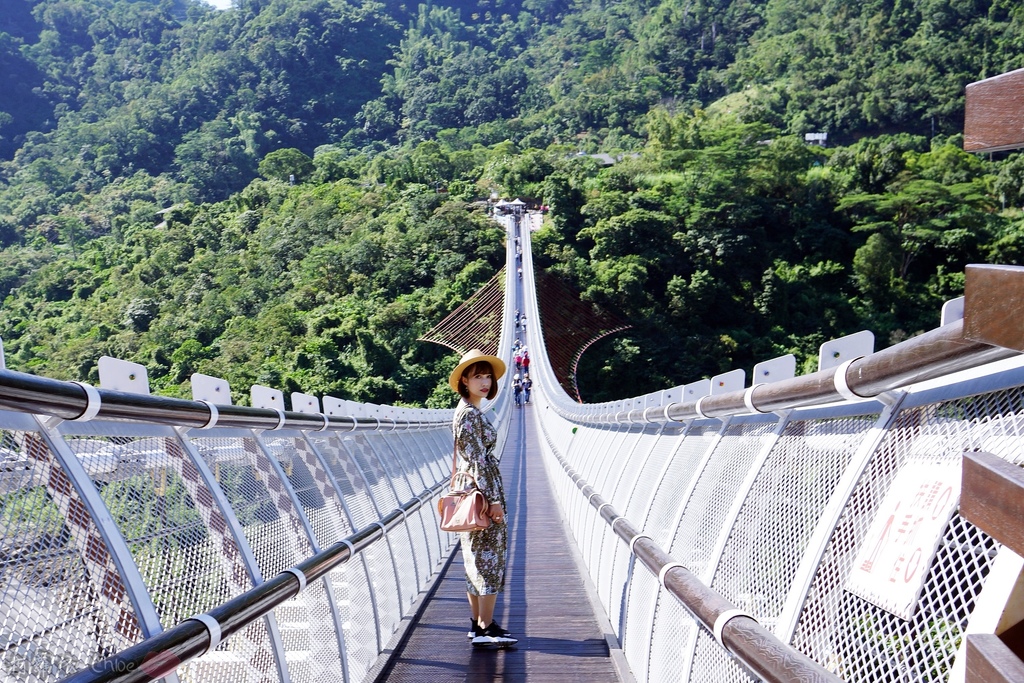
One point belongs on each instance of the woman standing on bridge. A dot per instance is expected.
(483, 552)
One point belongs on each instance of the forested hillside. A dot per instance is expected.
(290, 192)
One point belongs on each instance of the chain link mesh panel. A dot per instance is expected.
(423, 522)
(671, 628)
(411, 455)
(605, 456)
(1000, 432)
(62, 604)
(712, 663)
(393, 467)
(621, 466)
(635, 633)
(615, 556)
(423, 456)
(408, 541)
(257, 495)
(438, 470)
(356, 614)
(560, 482)
(349, 475)
(581, 450)
(634, 500)
(277, 536)
(312, 486)
(380, 557)
(436, 445)
(670, 493)
(713, 496)
(379, 599)
(642, 590)
(376, 477)
(774, 526)
(860, 641)
(781, 510)
(177, 535)
(353, 598)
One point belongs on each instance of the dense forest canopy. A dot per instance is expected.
(290, 192)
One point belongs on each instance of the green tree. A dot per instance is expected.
(287, 165)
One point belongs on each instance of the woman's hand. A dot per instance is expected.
(496, 513)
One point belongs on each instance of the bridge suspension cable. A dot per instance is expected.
(476, 323)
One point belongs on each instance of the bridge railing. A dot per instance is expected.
(146, 537)
(114, 530)
(803, 529)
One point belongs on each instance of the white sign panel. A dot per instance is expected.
(894, 558)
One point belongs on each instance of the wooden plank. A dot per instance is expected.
(1013, 637)
(992, 498)
(546, 603)
(993, 297)
(994, 113)
(991, 661)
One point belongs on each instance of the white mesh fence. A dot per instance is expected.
(113, 531)
(196, 518)
(775, 511)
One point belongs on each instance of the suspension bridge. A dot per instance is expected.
(859, 523)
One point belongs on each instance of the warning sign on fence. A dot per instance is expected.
(898, 549)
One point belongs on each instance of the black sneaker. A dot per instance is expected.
(475, 630)
(493, 637)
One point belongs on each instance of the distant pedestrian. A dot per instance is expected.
(527, 385)
(517, 391)
(525, 361)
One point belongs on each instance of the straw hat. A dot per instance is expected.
(475, 356)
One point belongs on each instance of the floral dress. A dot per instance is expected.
(483, 552)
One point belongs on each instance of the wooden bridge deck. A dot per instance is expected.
(546, 603)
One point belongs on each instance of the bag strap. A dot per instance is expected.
(455, 455)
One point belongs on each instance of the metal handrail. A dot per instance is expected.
(27, 393)
(163, 653)
(931, 355)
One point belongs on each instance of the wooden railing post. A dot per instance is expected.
(994, 113)
(992, 498)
